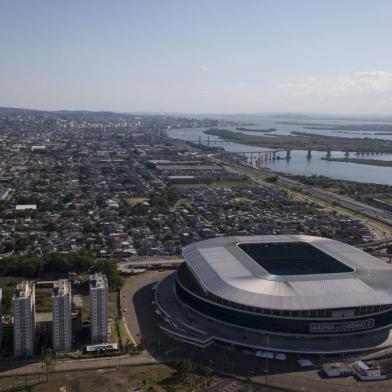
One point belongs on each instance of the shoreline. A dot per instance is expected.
(359, 161)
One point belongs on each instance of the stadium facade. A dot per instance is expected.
(293, 294)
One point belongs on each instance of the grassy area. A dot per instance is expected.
(86, 306)
(384, 128)
(121, 326)
(114, 332)
(158, 378)
(351, 188)
(124, 337)
(359, 161)
(43, 300)
(242, 129)
(8, 285)
(112, 303)
(113, 313)
(303, 141)
(387, 200)
(154, 378)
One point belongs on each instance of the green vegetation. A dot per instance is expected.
(43, 300)
(164, 199)
(366, 127)
(154, 378)
(123, 340)
(184, 377)
(351, 188)
(208, 148)
(161, 200)
(372, 162)
(256, 130)
(8, 293)
(57, 265)
(114, 334)
(304, 141)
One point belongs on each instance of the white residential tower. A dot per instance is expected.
(98, 308)
(62, 316)
(23, 310)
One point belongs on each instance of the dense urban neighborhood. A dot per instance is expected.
(119, 188)
(195, 196)
(90, 199)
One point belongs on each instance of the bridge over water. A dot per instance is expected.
(257, 157)
(265, 155)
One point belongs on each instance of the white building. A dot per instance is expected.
(99, 308)
(62, 316)
(368, 371)
(338, 369)
(23, 310)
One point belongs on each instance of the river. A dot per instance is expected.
(299, 164)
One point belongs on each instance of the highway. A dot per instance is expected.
(344, 201)
(164, 263)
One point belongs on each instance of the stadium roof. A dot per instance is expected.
(224, 269)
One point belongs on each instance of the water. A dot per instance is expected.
(299, 164)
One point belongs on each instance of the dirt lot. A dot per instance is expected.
(157, 378)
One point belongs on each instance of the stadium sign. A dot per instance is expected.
(341, 327)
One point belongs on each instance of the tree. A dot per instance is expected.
(109, 268)
(48, 358)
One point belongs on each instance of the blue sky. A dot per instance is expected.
(197, 56)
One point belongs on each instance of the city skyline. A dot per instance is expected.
(197, 57)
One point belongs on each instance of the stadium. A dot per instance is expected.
(287, 293)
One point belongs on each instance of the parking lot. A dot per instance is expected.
(142, 321)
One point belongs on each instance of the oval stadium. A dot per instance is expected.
(284, 293)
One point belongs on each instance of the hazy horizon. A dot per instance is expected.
(297, 115)
(198, 57)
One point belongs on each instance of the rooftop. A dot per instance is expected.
(290, 272)
(21, 207)
(98, 281)
(24, 289)
(293, 258)
(61, 287)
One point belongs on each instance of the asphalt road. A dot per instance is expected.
(164, 263)
(343, 201)
(137, 308)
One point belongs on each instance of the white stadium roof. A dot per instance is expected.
(225, 270)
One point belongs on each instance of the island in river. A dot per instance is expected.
(256, 130)
(359, 161)
(304, 141)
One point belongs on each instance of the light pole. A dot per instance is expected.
(266, 361)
